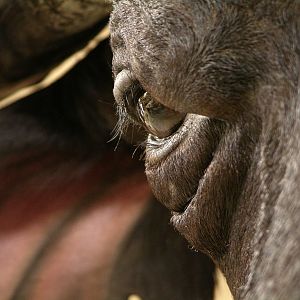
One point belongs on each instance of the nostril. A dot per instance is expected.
(122, 84)
(157, 119)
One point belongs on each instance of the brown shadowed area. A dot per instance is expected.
(62, 221)
(36, 35)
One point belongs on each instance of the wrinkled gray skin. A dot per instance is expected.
(237, 63)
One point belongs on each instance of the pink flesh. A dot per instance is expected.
(103, 200)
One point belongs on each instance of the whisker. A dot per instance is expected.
(143, 153)
(121, 126)
(141, 145)
(126, 119)
(135, 150)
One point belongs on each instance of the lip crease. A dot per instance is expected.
(184, 206)
(180, 218)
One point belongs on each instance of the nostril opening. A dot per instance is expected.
(124, 80)
(157, 119)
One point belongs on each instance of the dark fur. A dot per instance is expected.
(236, 62)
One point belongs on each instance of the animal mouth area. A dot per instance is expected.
(180, 146)
(178, 167)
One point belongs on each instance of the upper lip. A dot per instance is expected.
(164, 146)
(169, 163)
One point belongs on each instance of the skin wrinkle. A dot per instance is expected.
(236, 62)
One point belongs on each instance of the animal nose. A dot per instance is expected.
(157, 119)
